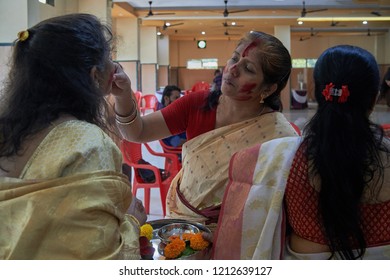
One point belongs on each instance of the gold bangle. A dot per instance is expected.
(118, 121)
(122, 118)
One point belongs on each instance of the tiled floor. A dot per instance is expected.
(380, 115)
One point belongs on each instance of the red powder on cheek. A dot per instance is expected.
(247, 88)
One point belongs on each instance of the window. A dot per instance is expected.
(49, 2)
(205, 63)
(304, 63)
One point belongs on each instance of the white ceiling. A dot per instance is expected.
(194, 16)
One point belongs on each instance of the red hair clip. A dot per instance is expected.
(342, 94)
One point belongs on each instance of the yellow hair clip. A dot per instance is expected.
(23, 35)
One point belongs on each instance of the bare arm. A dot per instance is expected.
(144, 128)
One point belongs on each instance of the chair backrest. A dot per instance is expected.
(200, 86)
(138, 96)
(132, 152)
(148, 102)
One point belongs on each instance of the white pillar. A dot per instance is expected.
(148, 55)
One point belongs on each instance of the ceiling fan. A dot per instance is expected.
(335, 23)
(304, 11)
(226, 24)
(226, 12)
(167, 24)
(226, 33)
(150, 13)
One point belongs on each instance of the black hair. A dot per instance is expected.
(343, 145)
(276, 66)
(168, 91)
(50, 75)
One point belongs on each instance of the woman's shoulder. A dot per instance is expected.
(79, 133)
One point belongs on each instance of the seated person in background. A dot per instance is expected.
(169, 95)
(217, 123)
(334, 182)
(62, 193)
(217, 81)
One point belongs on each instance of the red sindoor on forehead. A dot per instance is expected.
(252, 45)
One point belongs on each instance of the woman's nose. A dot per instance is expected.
(234, 70)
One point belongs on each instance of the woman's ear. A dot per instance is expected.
(270, 90)
(94, 76)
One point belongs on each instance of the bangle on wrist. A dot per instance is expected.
(126, 122)
(124, 118)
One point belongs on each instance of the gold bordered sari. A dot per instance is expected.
(197, 191)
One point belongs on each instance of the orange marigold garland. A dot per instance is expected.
(174, 248)
(197, 242)
(185, 245)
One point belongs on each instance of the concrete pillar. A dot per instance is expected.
(148, 55)
(163, 61)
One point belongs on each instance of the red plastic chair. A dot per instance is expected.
(148, 102)
(138, 96)
(171, 150)
(200, 86)
(132, 153)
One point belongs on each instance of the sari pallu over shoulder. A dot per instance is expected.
(202, 180)
(251, 224)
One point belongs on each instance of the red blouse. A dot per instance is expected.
(187, 114)
(302, 209)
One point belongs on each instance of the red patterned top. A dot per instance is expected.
(302, 209)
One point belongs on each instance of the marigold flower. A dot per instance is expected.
(187, 236)
(197, 242)
(147, 231)
(173, 237)
(174, 249)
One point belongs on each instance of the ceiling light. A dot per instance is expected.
(203, 33)
(233, 23)
(168, 24)
(158, 33)
(365, 21)
(343, 19)
(300, 22)
(201, 44)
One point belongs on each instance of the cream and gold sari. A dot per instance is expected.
(196, 192)
(70, 200)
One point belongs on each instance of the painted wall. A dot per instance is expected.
(126, 35)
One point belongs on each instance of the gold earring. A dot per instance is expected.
(261, 100)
